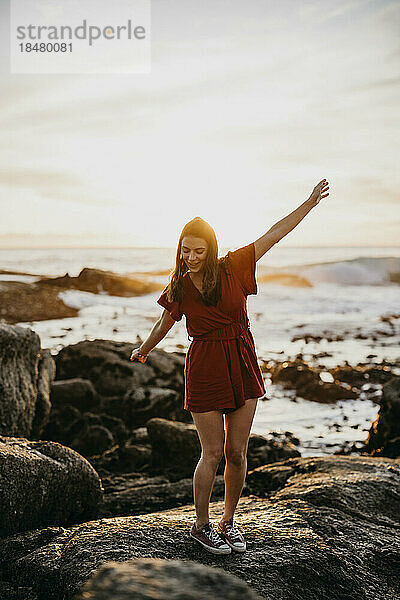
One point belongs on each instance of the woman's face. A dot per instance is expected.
(194, 252)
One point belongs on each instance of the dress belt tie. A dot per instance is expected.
(241, 337)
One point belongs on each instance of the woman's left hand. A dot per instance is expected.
(319, 192)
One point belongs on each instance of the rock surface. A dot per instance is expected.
(347, 380)
(306, 381)
(384, 435)
(100, 281)
(325, 527)
(25, 302)
(106, 364)
(158, 579)
(43, 483)
(25, 377)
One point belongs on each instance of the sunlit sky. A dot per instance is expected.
(248, 105)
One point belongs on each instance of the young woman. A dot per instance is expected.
(222, 375)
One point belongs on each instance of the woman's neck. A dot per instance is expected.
(197, 279)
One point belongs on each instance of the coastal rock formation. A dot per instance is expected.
(144, 402)
(361, 374)
(384, 435)
(176, 448)
(140, 467)
(43, 483)
(326, 527)
(46, 374)
(88, 433)
(156, 578)
(78, 392)
(25, 377)
(106, 364)
(306, 381)
(164, 468)
(99, 281)
(26, 302)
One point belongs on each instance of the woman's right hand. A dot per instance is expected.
(319, 192)
(136, 355)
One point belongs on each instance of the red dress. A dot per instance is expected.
(221, 368)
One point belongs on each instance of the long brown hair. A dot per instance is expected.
(198, 227)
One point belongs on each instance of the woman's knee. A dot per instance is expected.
(235, 455)
(212, 456)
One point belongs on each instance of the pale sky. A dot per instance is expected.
(248, 105)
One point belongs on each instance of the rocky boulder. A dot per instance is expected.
(88, 433)
(43, 483)
(326, 528)
(306, 380)
(360, 374)
(106, 364)
(100, 281)
(98, 376)
(384, 434)
(78, 392)
(176, 448)
(159, 579)
(24, 302)
(154, 469)
(25, 378)
(144, 402)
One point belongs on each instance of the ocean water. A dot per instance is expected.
(338, 291)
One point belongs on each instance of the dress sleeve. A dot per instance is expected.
(243, 263)
(172, 307)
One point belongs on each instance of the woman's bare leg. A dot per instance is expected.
(238, 425)
(210, 428)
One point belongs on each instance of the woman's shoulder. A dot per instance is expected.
(225, 264)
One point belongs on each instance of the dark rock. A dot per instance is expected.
(9, 592)
(142, 403)
(327, 530)
(46, 374)
(76, 392)
(99, 281)
(384, 434)
(44, 483)
(175, 446)
(25, 377)
(105, 363)
(95, 440)
(359, 375)
(266, 479)
(132, 494)
(89, 434)
(354, 485)
(172, 459)
(133, 390)
(25, 302)
(158, 579)
(309, 337)
(265, 449)
(134, 456)
(306, 381)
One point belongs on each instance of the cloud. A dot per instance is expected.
(53, 185)
(389, 82)
(371, 189)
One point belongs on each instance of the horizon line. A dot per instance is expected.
(93, 247)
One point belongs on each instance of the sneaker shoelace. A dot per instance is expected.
(214, 535)
(232, 530)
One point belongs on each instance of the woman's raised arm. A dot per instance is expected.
(285, 225)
